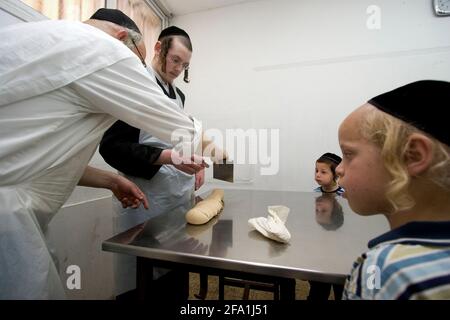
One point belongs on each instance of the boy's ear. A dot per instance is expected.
(419, 154)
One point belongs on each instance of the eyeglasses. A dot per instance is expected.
(178, 62)
(139, 53)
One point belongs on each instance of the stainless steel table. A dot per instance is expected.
(317, 251)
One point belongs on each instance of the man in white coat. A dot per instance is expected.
(62, 84)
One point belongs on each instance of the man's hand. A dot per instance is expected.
(213, 151)
(128, 193)
(190, 165)
(199, 179)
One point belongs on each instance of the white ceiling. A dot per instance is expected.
(181, 7)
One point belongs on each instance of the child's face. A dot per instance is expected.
(324, 176)
(361, 172)
(324, 207)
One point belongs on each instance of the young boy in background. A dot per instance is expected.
(326, 176)
(329, 214)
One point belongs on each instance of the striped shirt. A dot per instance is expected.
(410, 262)
(339, 191)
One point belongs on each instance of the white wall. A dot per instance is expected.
(302, 66)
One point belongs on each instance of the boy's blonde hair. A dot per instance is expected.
(391, 135)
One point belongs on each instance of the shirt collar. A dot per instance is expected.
(157, 76)
(435, 233)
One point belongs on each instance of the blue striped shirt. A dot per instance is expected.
(409, 262)
(339, 191)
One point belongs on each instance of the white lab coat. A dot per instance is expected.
(62, 84)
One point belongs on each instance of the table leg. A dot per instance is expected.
(172, 286)
(221, 287)
(287, 289)
(203, 286)
(144, 278)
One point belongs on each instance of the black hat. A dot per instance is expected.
(117, 17)
(422, 104)
(330, 156)
(173, 31)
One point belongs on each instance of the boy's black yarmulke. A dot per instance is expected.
(422, 104)
(173, 31)
(331, 156)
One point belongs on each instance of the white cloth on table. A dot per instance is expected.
(273, 227)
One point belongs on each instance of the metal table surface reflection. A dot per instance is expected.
(317, 250)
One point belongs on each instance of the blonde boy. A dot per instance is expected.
(396, 162)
